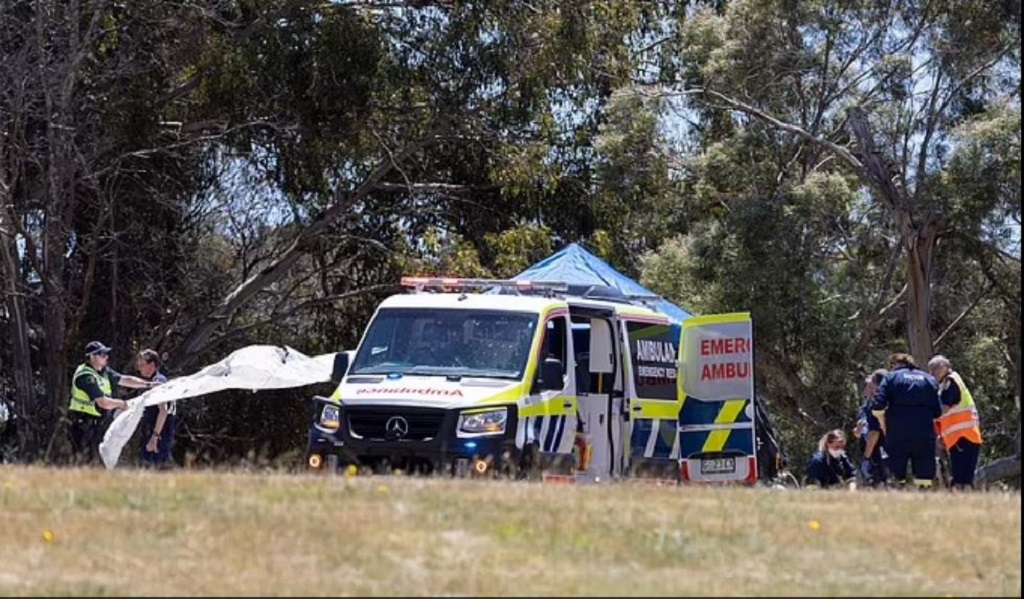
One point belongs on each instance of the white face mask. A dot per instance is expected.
(836, 453)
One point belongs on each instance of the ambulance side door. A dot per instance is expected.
(651, 389)
(551, 415)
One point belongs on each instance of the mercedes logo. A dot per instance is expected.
(396, 427)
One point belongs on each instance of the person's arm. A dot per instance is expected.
(880, 403)
(161, 419)
(88, 383)
(846, 465)
(134, 382)
(817, 472)
(950, 396)
(872, 443)
(862, 422)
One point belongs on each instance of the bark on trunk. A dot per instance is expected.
(1013, 354)
(24, 398)
(918, 238)
(55, 406)
(919, 243)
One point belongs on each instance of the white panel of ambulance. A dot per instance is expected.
(716, 381)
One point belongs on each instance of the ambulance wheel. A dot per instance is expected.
(507, 466)
(529, 462)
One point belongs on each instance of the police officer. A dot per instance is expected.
(907, 406)
(959, 425)
(92, 402)
(873, 466)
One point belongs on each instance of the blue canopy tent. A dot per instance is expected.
(579, 268)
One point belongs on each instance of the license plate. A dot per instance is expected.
(718, 466)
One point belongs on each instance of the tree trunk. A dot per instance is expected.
(14, 297)
(54, 327)
(918, 238)
(1013, 356)
(919, 244)
(115, 337)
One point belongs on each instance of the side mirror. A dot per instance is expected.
(340, 367)
(551, 372)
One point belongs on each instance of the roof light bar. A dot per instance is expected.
(643, 297)
(457, 284)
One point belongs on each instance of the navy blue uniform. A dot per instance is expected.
(909, 397)
(827, 471)
(879, 468)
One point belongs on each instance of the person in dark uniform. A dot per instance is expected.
(874, 460)
(830, 466)
(159, 422)
(93, 403)
(907, 406)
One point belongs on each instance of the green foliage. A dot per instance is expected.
(207, 134)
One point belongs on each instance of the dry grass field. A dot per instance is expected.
(126, 532)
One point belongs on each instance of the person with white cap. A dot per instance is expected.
(93, 402)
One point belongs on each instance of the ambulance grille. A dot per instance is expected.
(372, 423)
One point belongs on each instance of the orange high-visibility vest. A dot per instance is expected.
(961, 421)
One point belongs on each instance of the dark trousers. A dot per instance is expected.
(879, 469)
(919, 452)
(86, 434)
(879, 465)
(963, 459)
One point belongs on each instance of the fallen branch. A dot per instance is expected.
(1001, 469)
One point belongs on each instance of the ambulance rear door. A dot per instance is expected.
(716, 387)
(651, 388)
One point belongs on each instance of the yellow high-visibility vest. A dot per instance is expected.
(80, 400)
(961, 421)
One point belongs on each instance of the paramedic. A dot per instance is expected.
(907, 406)
(873, 466)
(830, 466)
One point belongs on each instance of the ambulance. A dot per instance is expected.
(540, 379)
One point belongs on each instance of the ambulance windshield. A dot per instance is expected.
(447, 342)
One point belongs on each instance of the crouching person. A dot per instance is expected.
(830, 466)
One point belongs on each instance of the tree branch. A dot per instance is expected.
(279, 316)
(931, 119)
(196, 340)
(441, 188)
(963, 314)
(838, 150)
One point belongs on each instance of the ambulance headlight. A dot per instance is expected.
(486, 422)
(330, 417)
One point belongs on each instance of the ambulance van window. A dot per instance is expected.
(554, 344)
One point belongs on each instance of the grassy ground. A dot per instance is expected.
(91, 532)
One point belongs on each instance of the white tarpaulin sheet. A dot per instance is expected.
(254, 368)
